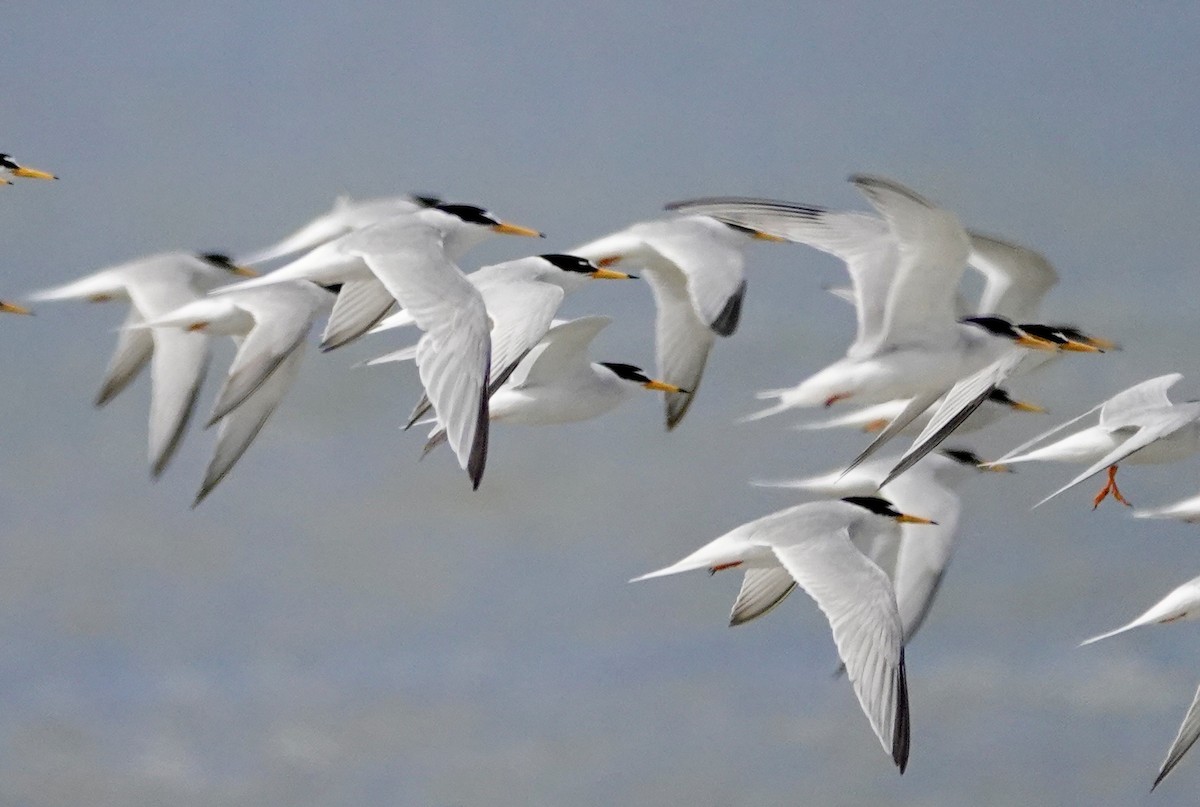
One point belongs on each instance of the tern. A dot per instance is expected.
(154, 286)
(1139, 425)
(522, 297)
(916, 562)
(557, 383)
(813, 545)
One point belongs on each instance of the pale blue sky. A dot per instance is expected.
(338, 625)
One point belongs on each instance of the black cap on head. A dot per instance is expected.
(6, 161)
(962, 455)
(425, 200)
(627, 371)
(569, 263)
(877, 505)
(1000, 396)
(998, 326)
(219, 259)
(468, 213)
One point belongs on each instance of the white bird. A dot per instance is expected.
(916, 562)
(522, 297)
(696, 270)
(270, 326)
(154, 286)
(408, 255)
(813, 545)
(556, 383)
(905, 270)
(364, 298)
(346, 216)
(1187, 510)
(1138, 425)
(1182, 604)
(9, 165)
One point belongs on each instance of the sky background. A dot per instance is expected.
(338, 625)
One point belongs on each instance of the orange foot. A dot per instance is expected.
(1110, 487)
(876, 425)
(841, 396)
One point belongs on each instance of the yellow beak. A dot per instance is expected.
(1036, 342)
(905, 518)
(1102, 344)
(244, 271)
(761, 236)
(13, 308)
(997, 467)
(609, 274)
(31, 173)
(662, 386)
(516, 229)
(1022, 406)
(1080, 347)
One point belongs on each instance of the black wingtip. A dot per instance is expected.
(727, 321)
(479, 446)
(900, 734)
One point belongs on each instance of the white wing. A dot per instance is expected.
(863, 242)
(359, 307)
(924, 549)
(177, 370)
(283, 317)
(239, 428)
(1017, 278)
(454, 355)
(1126, 406)
(134, 348)
(933, 249)
(959, 404)
(562, 354)
(682, 341)
(856, 597)
(762, 590)
(1189, 730)
(345, 216)
(713, 265)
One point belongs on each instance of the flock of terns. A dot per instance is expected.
(926, 360)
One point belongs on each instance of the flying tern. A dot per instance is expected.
(557, 383)
(1138, 425)
(154, 286)
(813, 545)
(917, 560)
